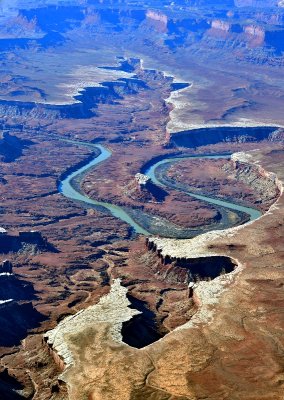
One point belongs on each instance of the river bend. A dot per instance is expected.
(68, 189)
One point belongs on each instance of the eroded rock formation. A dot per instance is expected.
(111, 311)
(229, 341)
(25, 242)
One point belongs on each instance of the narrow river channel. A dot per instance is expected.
(68, 189)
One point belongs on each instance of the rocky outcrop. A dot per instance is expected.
(201, 137)
(277, 136)
(255, 35)
(82, 108)
(157, 16)
(112, 310)
(26, 242)
(21, 26)
(191, 269)
(265, 184)
(158, 20)
(144, 190)
(219, 24)
(34, 237)
(196, 254)
(256, 31)
(141, 179)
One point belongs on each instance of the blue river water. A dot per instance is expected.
(253, 213)
(69, 191)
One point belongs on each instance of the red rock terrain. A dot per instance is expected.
(220, 352)
(88, 247)
(215, 302)
(227, 179)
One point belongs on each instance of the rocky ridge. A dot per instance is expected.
(112, 309)
(265, 184)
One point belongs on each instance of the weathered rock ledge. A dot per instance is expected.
(265, 184)
(112, 309)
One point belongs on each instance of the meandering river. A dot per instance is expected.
(68, 189)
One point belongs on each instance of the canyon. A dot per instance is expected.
(162, 283)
